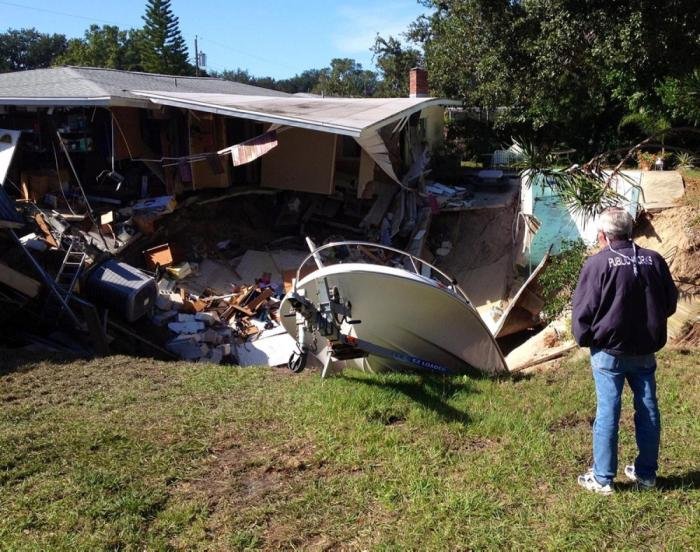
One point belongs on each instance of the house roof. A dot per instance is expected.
(91, 86)
(348, 116)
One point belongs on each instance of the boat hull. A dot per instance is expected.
(403, 312)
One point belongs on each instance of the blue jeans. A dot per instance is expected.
(609, 374)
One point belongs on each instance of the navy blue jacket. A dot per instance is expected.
(619, 312)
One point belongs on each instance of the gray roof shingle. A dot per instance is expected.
(88, 82)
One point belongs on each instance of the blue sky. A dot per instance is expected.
(275, 38)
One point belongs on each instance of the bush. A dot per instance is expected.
(684, 160)
(558, 279)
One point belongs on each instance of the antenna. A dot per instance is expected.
(196, 57)
(200, 58)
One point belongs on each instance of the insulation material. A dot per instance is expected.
(252, 149)
(304, 161)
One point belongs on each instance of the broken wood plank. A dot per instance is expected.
(18, 281)
(41, 223)
(531, 302)
(255, 303)
(560, 352)
(244, 310)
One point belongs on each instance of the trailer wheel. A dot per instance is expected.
(297, 362)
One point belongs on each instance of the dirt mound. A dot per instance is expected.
(675, 233)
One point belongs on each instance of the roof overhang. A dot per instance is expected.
(87, 101)
(346, 116)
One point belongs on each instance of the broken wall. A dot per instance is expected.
(303, 161)
(207, 135)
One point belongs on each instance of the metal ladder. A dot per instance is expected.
(70, 270)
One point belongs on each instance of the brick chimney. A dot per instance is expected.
(418, 83)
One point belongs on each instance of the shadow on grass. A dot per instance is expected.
(683, 481)
(688, 480)
(430, 392)
(18, 360)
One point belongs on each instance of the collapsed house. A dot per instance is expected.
(170, 212)
(93, 160)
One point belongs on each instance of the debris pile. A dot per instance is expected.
(209, 328)
(448, 197)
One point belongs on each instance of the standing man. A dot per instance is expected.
(623, 298)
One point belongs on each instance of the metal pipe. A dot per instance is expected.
(314, 253)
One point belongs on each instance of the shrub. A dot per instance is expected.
(684, 160)
(558, 279)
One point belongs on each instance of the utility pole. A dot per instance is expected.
(196, 57)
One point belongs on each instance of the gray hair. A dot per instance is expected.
(615, 222)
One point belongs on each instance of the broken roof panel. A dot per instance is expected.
(91, 86)
(348, 116)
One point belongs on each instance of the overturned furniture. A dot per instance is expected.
(383, 318)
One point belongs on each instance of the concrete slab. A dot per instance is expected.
(661, 189)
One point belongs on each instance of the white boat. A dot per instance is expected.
(386, 317)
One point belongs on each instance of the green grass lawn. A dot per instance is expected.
(132, 454)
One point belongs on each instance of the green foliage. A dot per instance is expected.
(558, 279)
(584, 191)
(472, 139)
(159, 47)
(394, 62)
(684, 160)
(303, 82)
(105, 46)
(163, 49)
(345, 77)
(22, 49)
(566, 72)
(681, 96)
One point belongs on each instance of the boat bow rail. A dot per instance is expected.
(411, 263)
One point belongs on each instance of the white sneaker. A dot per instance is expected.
(589, 482)
(640, 481)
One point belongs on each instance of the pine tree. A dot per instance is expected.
(164, 48)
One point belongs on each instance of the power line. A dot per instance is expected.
(123, 24)
(55, 12)
(248, 54)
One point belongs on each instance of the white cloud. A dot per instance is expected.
(360, 25)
